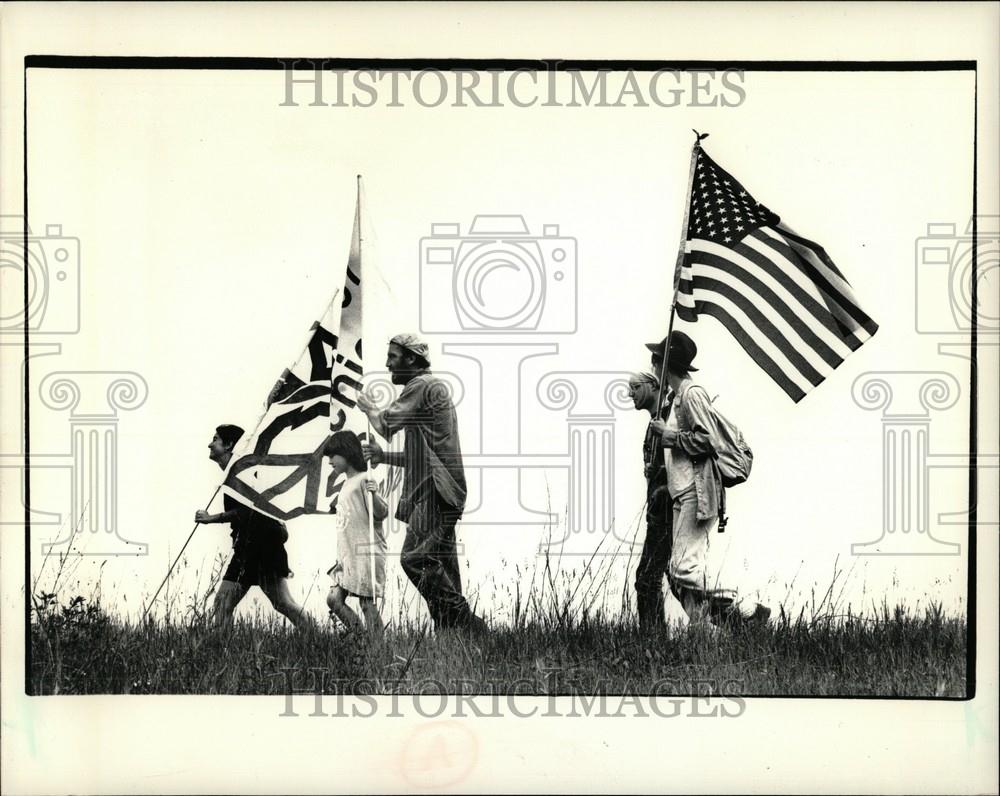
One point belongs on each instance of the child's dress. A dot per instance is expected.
(352, 570)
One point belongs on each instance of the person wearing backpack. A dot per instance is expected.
(693, 435)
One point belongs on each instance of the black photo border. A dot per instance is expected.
(42, 61)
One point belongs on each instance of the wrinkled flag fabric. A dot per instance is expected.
(779, 294)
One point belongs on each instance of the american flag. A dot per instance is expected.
(778, 294)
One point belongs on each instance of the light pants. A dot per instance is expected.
(692, 582)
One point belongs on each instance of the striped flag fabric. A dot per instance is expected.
(778, 293)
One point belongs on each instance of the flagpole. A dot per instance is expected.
(677, 268)
(260, 419)
(371, 516)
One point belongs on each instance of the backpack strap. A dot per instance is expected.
(723, 519)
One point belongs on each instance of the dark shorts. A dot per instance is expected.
(257, 566)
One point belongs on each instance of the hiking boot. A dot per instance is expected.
(760, 616)
(477, 626)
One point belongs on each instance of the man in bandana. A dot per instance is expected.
(434, 490)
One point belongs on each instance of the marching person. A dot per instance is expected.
(352, 572)
(694, 487)
(259, 557)
(644, 390)
(434, 490)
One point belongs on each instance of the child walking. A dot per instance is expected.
(352, 572)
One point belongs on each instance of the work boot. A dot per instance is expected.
(760, 616)
(476, 626)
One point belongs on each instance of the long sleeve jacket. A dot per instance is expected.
(694, 441)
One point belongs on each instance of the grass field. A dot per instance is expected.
(566, 630)
(77, 648)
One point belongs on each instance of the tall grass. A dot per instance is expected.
(567, 633)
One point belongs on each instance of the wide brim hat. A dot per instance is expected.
(682, 351)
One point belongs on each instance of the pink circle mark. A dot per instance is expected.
(438, 754)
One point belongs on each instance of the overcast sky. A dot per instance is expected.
(214, 224)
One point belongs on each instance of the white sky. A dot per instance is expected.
(214, 224)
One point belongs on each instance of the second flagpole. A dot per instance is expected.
(368, 495)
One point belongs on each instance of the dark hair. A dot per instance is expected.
(229, 434)
(346, 444)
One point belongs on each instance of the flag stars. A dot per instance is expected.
(721, 210)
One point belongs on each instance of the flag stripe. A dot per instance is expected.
(791, 234)
(776, 347)
(785, 306)
(804, 292)
(766, 320)
(759, 243)
(828, 283)
(836, 281)
(810, 256)
(765, 362)
(840, 301)
(846, 325)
